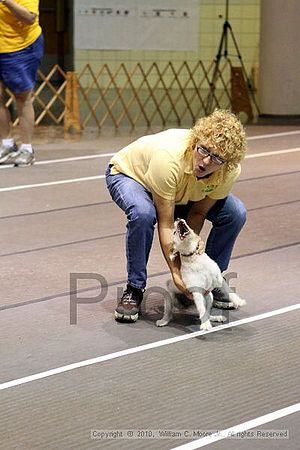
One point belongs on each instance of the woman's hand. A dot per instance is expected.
(181, 286)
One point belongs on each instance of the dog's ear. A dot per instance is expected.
(173, 253)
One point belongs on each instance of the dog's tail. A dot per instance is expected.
(236, 300)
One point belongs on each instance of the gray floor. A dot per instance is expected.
(209, 382)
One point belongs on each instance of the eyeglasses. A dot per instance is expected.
(214, 158)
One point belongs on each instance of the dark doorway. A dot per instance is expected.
(56, 19)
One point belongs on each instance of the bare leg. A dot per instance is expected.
(4, 116)
(26, 116)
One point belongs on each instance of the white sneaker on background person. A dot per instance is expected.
(8, 149)
(24, 156)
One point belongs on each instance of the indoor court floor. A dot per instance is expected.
(73, 378)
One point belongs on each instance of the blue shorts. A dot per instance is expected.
(18, 70)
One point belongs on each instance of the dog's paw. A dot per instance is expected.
(218, 318)
(162, 322)
(242, 302)
(206, 326)
(236, 300)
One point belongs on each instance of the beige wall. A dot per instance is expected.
(244, 17)
(279, 57)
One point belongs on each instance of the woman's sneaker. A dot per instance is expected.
(128, 307)
(7, 153)
(221, 297)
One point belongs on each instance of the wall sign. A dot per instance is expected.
(136, 24)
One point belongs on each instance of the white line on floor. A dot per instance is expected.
(272, 135)
(141, 348)
(61, 160)
(274, 153)
(75, 158)
(231, 432)
(51, 183)
(98, 177)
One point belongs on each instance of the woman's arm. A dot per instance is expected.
(165, 222)
(20, 12)
(198, 212)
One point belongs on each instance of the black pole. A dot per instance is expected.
(226, 10)
(224, 43)
(225, 26)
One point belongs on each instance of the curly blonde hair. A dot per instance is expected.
(223, 132)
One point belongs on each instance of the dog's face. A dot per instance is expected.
(184, 238)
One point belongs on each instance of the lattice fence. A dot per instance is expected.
(130, 95)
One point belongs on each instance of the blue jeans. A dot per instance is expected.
(227, 217)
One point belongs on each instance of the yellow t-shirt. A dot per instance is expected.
(158, 162)
(14, 34)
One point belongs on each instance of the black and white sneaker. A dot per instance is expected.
(221, 297)
(128, 307)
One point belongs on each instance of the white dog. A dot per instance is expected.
(200, 275)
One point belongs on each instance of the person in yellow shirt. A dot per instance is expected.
(186, 173)
(21, 50)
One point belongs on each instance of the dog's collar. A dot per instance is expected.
(195, 252)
